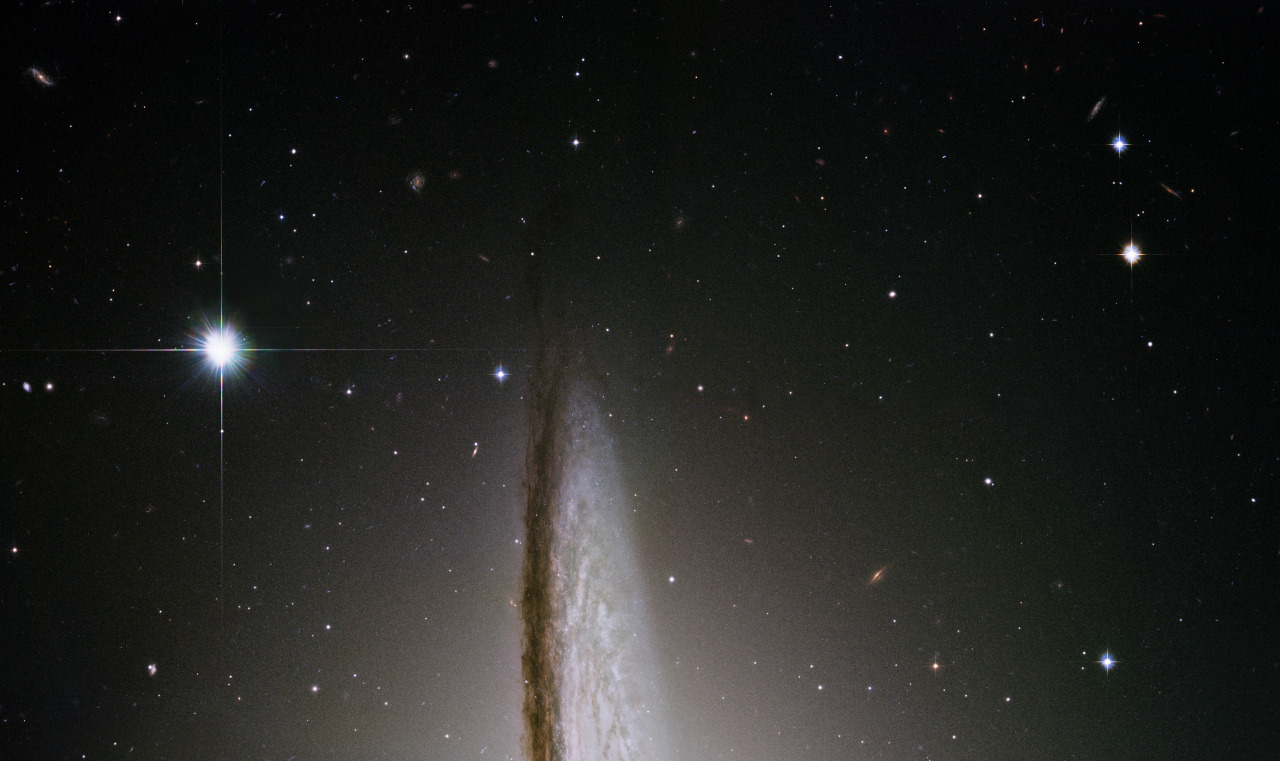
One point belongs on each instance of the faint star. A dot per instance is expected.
(575, 142)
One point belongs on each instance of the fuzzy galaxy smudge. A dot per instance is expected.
(590, 683)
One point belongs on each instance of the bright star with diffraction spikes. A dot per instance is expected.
(220, 346)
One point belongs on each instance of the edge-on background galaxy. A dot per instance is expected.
(589, 679)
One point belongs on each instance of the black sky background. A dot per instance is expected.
(750, 188)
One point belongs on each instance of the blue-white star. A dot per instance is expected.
(220, 346)
(1107, 662)
(1119, 144)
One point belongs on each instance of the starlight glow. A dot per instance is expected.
(220, 346)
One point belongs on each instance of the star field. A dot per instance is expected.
(936, 347)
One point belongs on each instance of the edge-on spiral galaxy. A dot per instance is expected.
(590, 685)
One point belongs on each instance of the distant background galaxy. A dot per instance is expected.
(846, 431)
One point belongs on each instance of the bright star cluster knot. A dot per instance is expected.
(220, 346)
